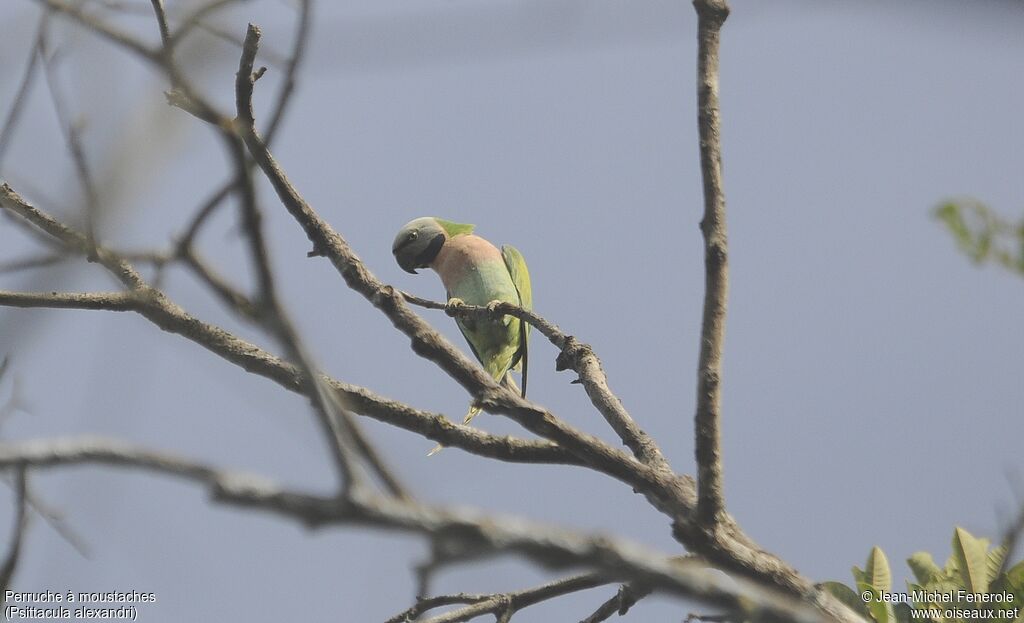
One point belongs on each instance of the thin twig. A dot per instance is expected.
(21, 95)
(103, 29)
(425, 604)
(711, 14)
(270, 310)
(38, 261)
(298, 54)
(624, 599)
(71, 131)
(504, 605)
(18, 532)
(161, 20)
(233, 298)
(195, 18)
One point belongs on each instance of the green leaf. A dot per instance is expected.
(982, 234)
(924, 567)
(994, 561)
(1015, 575)
(858, 576)
(846, 595)
(1013, 582)
(971, 556)
(951, 571)
(880, 611)
(877, 570)
(949, 214)
(902, 613)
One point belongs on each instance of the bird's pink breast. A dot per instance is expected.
(462, 255)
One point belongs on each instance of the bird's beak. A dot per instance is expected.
(404, 261)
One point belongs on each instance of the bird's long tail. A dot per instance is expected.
(508, 382)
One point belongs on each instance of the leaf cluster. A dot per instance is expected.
(983, 235)
(974, 569)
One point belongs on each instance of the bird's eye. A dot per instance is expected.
(413, 235)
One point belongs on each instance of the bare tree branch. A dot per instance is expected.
(196, 17)
(36, 261)
(501, 605)
(103, 29)
(112, 301)
(161, 20)
(471, 534)
(425, 604)
(504, 605)
(711, 14)
(284, 96)
(21, 95)
(70, 129)
(624, 599)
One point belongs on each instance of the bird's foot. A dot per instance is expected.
(453, 306)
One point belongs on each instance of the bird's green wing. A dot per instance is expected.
(516, 265)
(460, 323)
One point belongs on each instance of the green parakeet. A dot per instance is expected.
(474, 271)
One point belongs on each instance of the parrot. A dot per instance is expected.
(475, 272)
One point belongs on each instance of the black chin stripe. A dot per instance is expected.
(424, 259)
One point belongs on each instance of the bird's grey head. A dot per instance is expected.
(418, 243)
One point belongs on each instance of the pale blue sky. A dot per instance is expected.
(872, 375)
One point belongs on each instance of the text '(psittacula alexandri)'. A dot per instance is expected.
(474, 271)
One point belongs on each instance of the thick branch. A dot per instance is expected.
(710, 504)
(115, 301)
(466, 533)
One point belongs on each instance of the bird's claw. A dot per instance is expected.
(453, 306)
